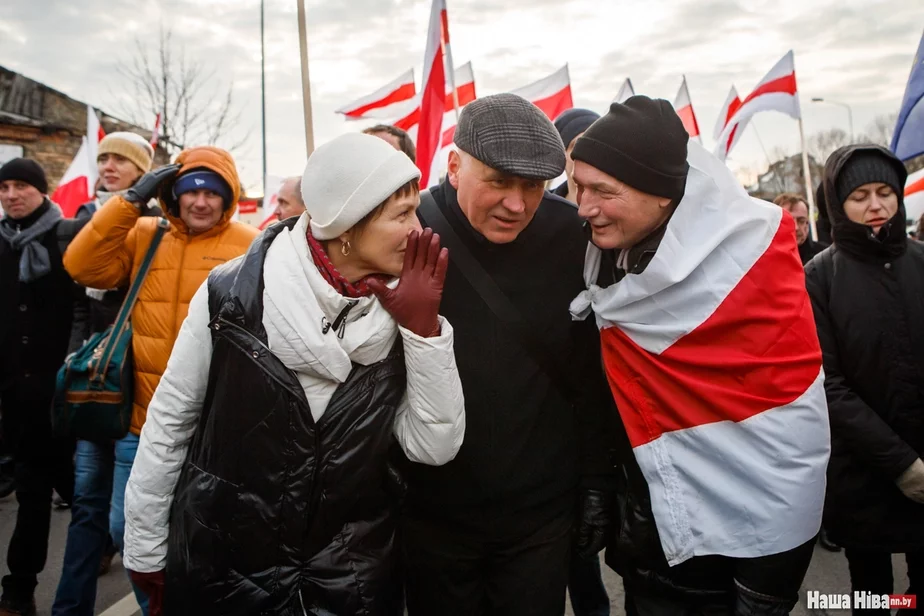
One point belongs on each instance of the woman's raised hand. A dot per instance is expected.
(415, 302)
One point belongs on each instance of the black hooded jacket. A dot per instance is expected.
(275, 513)
(867, 294)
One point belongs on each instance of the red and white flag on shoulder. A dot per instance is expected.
(626, 92)
(386, 103)
(714, 363)
(551, 94)
(78, 185)
(684, 107)
(777, 91)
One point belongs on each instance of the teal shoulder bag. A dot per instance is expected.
(95, 386)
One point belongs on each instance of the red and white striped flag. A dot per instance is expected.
(433, 97)
(625, 92)
(155, 134)
(732, 103)
(551, 94)
(914, 195)
(78, 185)
(777, 91)
(684, 107)
(714, 363)
(384, 103)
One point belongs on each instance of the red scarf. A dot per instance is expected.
(343, 286)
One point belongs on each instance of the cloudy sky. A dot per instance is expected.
(857, 52)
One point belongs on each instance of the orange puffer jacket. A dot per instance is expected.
(108, 251)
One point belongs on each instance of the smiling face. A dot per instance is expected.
(872, 205)
(19, 199)
(201, 210)
(498, 205)
(620, 216)
(116, 172)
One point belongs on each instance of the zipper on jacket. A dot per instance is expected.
(339, 324)
(179, 284)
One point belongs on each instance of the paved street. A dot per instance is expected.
(827, 574)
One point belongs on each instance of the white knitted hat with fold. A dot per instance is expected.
(348, 177)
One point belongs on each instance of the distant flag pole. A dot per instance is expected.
(263, 80)
(306, 81)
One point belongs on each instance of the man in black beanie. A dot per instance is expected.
(36, 309)
(571, 125)
(672, 233)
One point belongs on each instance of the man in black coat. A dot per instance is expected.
(795, 205)
(36, 308)
(866, 295)
(491, 532)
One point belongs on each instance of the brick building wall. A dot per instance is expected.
(48, 125)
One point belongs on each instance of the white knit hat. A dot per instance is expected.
(348, 177)
(129, 145)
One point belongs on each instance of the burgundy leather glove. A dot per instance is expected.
(415, 302)
(152, 585)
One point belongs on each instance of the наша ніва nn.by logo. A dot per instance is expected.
(860, 600)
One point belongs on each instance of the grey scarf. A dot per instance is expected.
(34, 262)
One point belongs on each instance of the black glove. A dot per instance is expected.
(593, 523)
(146, 187)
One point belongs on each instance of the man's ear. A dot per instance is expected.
(455, 165)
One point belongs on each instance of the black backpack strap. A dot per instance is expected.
(496, 300)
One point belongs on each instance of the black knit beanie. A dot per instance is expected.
(25, 170)
(867, 167)
(642, 143)
(573, 122)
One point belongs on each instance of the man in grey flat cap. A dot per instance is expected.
(492, 531)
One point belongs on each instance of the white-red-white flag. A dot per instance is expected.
(725, 115)
(155, 134)
(684, 108)
(409, 111)
(777, 91)
(914, 195)
(271, 186)
(551, 94)
(384, 103)
(625, 92)
(465, 92)
(714, 363)
(433, 96)
(78, 185)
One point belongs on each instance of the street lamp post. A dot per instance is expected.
(845, 106)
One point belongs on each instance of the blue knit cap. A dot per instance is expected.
(202, 179)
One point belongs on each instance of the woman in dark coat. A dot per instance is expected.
(867, 294)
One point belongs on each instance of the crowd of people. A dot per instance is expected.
(451, 401)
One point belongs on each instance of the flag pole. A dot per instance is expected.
(447, 54)
(306, 82)
(263, 86)
(809, 187)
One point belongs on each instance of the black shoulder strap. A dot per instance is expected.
(492, 295)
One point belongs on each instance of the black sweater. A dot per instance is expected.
(526, 445)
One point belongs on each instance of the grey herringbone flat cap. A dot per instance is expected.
(510, 134)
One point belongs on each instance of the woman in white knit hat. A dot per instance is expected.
(262, 482)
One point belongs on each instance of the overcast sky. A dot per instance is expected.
(852, 51)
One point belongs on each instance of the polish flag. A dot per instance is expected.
(777, 91)
(433, 97)
(713, 360)
(914, 195)
(732, 103)
(551, 94)
(78, 185)
(684, 107)
(625, 92)
(155, 134)
(384, 103)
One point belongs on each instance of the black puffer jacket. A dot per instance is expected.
(247, 532)
(868, 297)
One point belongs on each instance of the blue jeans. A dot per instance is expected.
(98, 508)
